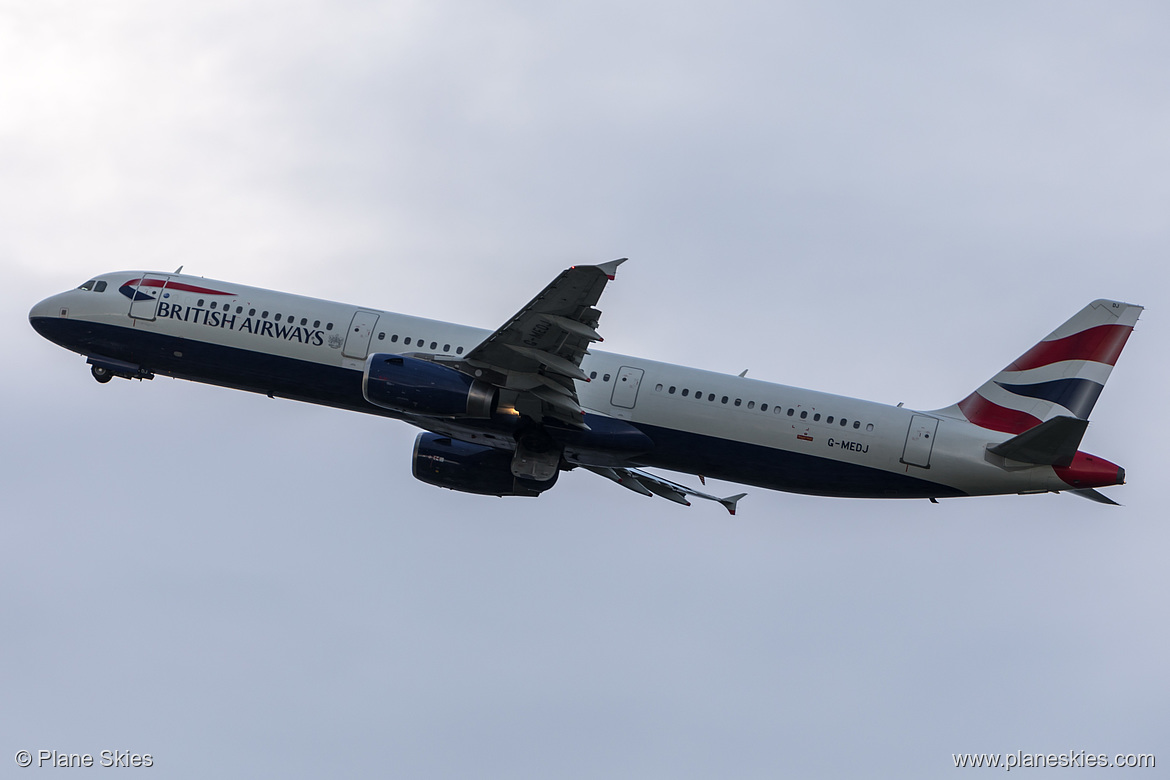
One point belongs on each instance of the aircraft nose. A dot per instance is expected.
(43, 309)
(45, 312)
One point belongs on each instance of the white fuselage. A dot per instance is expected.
(702, 422)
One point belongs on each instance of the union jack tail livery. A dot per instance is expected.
(1059, 377)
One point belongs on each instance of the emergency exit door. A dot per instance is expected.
(625, 387)
(357, 341)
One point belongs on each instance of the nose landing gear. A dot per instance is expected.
(104, 369)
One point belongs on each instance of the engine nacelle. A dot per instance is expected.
(470, 468)
(407, 384)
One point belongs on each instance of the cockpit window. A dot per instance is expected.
(99, 287)
(88, 285)
(93, 285)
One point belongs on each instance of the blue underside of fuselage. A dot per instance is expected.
(260, 372)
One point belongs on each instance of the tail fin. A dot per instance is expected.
(1060, 376)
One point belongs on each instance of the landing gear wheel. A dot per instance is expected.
(102, 375)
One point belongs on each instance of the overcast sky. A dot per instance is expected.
(883, 200)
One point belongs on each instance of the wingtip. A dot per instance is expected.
(610, 268)
(731, 501)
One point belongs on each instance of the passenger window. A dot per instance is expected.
(605, 378)
(277, 318)
(829, 420)
(394, 339)
(804, 415)
(200, 303)
(446, 347)
(685, 392)
(724, 399)
(305, 321)
(329, 326)
(763, 407)
(671, 390)
(711, 397)
(434, 344)
(592, 374)
(316, 323)
(658, 388)
(817, 417)
(213, 304)
(843, 422)
(251, 312)
(752, 405)
(381, 336)
(791, 412)
(406, 341)
(239, 310)
(458, 350)
(868, 427)
(738, 401)
(264, 315)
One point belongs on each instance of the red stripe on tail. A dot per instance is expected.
(1102, 344)
(989, 415)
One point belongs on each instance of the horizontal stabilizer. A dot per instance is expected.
(1094, 495)
(1051, 443)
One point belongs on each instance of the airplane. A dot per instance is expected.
(504, 412)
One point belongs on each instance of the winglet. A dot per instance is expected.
(610, 268)
(731, 501)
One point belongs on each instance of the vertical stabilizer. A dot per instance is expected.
(1059, 377)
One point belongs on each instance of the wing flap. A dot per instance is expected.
(538, 352)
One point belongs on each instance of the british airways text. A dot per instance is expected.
(222, 319)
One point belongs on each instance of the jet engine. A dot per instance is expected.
(407, 384)
(470, 468)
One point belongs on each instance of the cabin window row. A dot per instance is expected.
(278, 317)
(419, 342)
(803, 414)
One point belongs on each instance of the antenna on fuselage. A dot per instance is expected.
(179, 270)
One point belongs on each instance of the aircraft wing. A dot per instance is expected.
(538, 352)
(649, 485)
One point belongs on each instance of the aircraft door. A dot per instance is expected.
(625, 387)
(357, 341)
(144, 299)
(919, 441)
